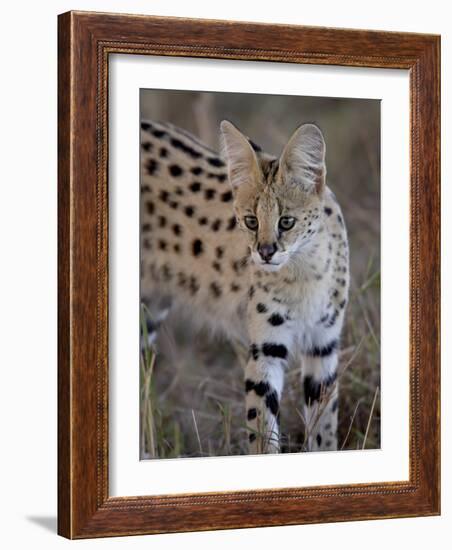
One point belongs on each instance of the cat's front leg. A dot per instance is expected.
(320, 387)
(271, 343)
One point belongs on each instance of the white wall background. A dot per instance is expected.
(28, 269)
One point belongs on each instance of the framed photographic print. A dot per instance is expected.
(248, 275)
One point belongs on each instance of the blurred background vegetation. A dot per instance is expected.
(192, 398)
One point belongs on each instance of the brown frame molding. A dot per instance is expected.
(85, 41)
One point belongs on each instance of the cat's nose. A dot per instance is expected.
(266, 251)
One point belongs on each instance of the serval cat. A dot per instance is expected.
(256, 246)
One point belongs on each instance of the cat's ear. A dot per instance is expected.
(241, 159)
(303, 159)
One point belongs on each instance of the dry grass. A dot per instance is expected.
(192, 398)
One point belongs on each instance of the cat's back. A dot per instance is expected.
(191, 246)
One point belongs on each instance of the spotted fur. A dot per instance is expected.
(280, 292)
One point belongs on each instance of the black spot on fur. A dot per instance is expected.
(162, 221)
(150, 207)
(159, 133)
(251, 292)
(215, 161)
(178, 144)
(182, 279)
(215, 289)
(163, 152)
(162, 244)
(203, 221)
(196, 170)
(324, 318)
(209, 194)
(313, 389)
(323, 351)
(220, 177)
(197, 247)
(189, 211)
(175, 170)
(271, 400)
(339, 219)
(219, 252)
(319, 439)
(177, 248)
(216, 225)
(251, 414)
(195, 187)
(261, 388)
(145, 126)
(216, 266)
(261, 308)
(254, 351)
(235, 287)
(146, 228)
(276, 319)
(177, 229)
(252, 438)
(274, 350)
(164, 196)
(342, 304)
(227, 196)
(249, 385)
(231, 223)
(147, 146)
(330, 322)
(239, 265)
(173, 204)
(145, 189)
(193, 286)
(151, 166)
(327, 211)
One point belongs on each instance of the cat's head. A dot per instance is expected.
(277, 202)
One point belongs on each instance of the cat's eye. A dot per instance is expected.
(251, 222)
(285, 223)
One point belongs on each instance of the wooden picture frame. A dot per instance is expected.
(85, 42)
